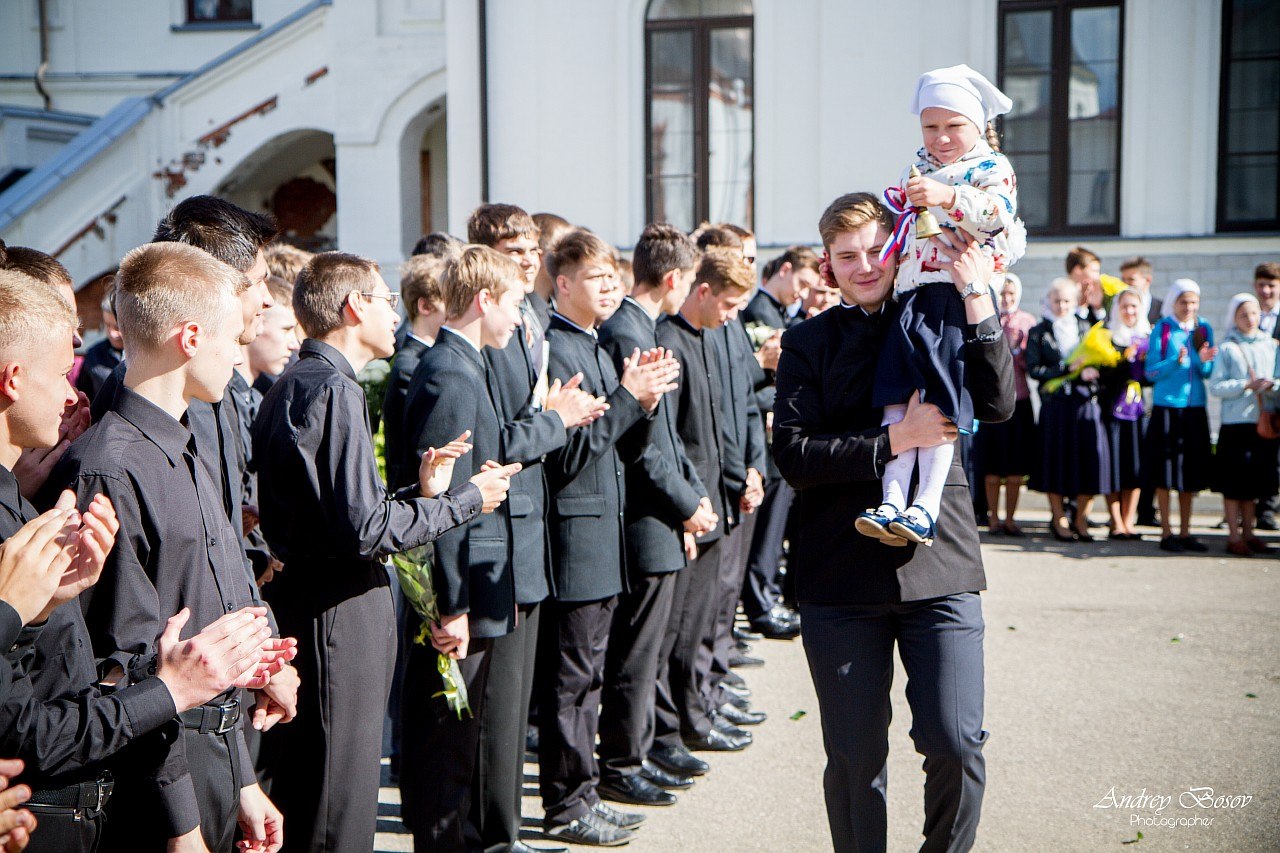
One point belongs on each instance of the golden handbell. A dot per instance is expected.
(926, 222)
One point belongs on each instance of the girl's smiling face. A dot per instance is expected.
(948, 136)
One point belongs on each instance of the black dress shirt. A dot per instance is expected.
(830, 446)
(403, 364)
(176, 548)
(325, 510)
(663, 489)
(744, 445)
(99, 361)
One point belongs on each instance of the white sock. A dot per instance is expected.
(935, 462)
(897, 472)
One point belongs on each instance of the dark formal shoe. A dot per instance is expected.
(737, 701)
(591, 830)
(634, 790)
(531, 739)
(1060, 536)
(1013, 530)
(919, 532)
(732, 679)
(1266, 522)
(1191, 543)
(717, 741)
(740, 660)
(620, 819)
(740, 692)
(677, 760)
(1171, 543)
(665, 778)
(785, 614)
(742, 647)
(725, 727)
(745, 636)
(776, 629)
(740, 717)
(1151, 520)
(1084, 537)
(1240, 549)
(521, 847)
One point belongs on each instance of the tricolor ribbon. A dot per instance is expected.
(895, 198)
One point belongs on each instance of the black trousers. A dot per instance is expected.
(850, 652)
(439, 750)
(680, 710)
(64, 830)
(761, 590)
(575, 637)
(326, 764)
(718, 644)
(499, 778)
(631, 673)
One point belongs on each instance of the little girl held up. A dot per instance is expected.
(969, 186)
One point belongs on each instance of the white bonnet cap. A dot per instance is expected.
(961, 90)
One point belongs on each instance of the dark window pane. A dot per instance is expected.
(698, 8)
(1093, 92)
(1255, 27)
(219, 10)
(1033, 189)
(730, 104)
(671, 58)
(1249, 188)
(1091, 184)
(1027, 52)
(1253, 106)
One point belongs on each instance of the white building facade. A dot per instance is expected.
(1141, 127)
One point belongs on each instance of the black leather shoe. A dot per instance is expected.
(742, 647)
(741, 717)
(664, 778)
(740, 660)
(678, 760)
(739, 702)
(725, 727)
(620, 819)
(775, 629)
(785, 613)
(591, 830)
(521, 847)
(742, 692)
(717, 741)
(744, 635)
(634, 790)
(732, 679)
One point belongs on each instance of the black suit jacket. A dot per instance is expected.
(767, 311)
(697, 404)
(830, 446)
(663, 489)
(1045, 360)
(740, 373)
(450, 393)
(403, 363)
(588, 487)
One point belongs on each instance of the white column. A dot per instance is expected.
(462, 57)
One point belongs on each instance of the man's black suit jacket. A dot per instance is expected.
(663, 489)
(743, 426)
(403, 364)
(830, 446)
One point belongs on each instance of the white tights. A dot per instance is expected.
(933, 464)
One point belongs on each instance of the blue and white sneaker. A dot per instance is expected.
(875, 523)
(921, 532)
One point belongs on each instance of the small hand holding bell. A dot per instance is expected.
(926, 223)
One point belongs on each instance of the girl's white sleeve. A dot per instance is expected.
(987, 200)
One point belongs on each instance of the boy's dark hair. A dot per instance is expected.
(490, 224)
(438, 244)
(320, 293)
(718, 237)
(800, 258)
(1079, 257)
(551, 227)
(36, 264)
(575, 249)
(227, 231)
(1138, 263)
(662, 247)
(1267, 270)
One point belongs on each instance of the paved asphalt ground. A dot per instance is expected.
(1112, 671)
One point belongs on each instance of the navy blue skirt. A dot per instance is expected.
(1075, 456)
(1010, 448)
(924, 352)
(1177, 449)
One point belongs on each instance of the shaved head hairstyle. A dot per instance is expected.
(163, 285)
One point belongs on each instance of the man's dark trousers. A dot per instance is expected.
(680, 709)
(761, 590)
(720, 648)
(850, 652)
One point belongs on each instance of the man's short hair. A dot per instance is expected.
(662, 247)
(626, 273)
(108, 304)
(850, 212)
(285, 261)
(420, 278)
(230, 233)
(478, 268)
(320, 293)
(1138, 263)
(717, 237)
(1079, 257)
(551, 227)
(32, 313)
(800, 258)
(490, 224)
(438, 244)
(575, 249)
(281, 290)
(725, 269)
(161, 285)
(1267, 270)
(36, 264)
(743, 234)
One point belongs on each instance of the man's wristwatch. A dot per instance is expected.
(973, 288)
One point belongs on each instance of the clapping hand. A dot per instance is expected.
(16, 824)
(435, 471)
(649, 375)
(89, 544)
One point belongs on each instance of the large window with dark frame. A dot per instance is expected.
(218, 11)
(1249, 124)
(699, 112)
(1060, 62)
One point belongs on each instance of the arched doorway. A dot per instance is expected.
(424, 153)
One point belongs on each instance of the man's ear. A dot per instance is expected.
(786, 269)
(353, 308)
(190, 336)
(669, 278)
(562, 285)
(482, 301)
(11, 378)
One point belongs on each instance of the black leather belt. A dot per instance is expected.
(211, 719)
(88, 796)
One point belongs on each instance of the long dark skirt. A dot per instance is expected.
(1008, 449)
(924, 351)
(1244, 465)
(1075, 458)
(1124, 438)
(1176, 451)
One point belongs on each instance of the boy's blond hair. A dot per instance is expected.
(477, 268)
(849, 213)
(285, 261)
(32, 313)
(161, 285)
(724, 269)
(420, 279)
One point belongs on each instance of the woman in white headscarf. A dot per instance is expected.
(1075, 458)
(1121, 401)
(1179, 360)
(1006, 452)
(1244, 378)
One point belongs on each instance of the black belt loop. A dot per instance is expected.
(86, 796)
(212, 719)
